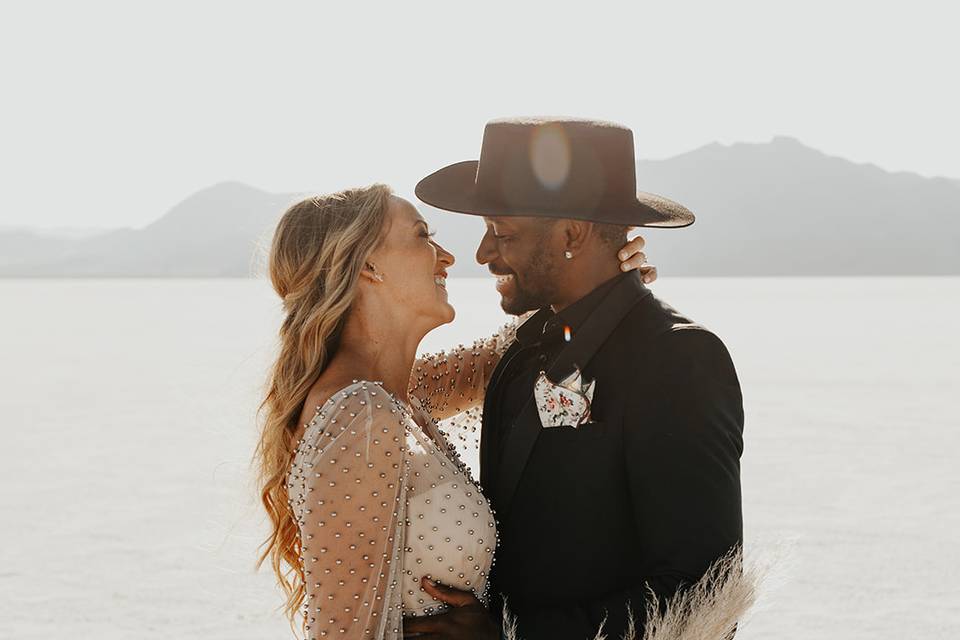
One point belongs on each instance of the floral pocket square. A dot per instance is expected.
(566, 403)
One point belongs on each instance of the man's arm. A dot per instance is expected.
(683, 449)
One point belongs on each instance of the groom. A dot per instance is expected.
(628, 477)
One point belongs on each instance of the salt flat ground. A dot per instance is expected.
(126, 414)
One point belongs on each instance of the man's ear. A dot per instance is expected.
(575, 234)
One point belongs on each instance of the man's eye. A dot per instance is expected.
(501, 237)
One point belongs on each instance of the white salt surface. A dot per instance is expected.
(126, 412)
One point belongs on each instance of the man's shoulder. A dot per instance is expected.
(654, 320)
(655, 330)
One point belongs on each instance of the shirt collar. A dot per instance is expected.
(547, 326)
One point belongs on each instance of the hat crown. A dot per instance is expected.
(565, 164)
(552, 168)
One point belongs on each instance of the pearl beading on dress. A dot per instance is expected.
(381, 499)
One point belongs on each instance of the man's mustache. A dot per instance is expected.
(498, 272)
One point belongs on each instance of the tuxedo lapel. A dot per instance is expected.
(524, 432)
(489, 436)
(489, 432)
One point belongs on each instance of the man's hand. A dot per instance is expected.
(632, 257)
(468, 619)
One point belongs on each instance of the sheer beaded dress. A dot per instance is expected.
(382, 498)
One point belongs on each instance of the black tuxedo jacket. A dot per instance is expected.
(647, 493)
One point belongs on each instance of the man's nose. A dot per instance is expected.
(487, 251)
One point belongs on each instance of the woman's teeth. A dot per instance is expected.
(440, 281)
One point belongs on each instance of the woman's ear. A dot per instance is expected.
(370, 272)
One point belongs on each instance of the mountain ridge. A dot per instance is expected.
(774, 208)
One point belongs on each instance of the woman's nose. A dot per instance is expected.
(445, 257)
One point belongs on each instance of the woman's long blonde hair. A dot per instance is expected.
(319, 248)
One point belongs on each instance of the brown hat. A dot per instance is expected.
(552, 168)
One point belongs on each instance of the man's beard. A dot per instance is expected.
(537, 290)
(522, 302)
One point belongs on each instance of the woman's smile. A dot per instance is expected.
(440, 280)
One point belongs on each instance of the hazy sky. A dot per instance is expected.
(113, 112)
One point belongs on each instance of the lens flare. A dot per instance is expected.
(550, 156)
(567, 333)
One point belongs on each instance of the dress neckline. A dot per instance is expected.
(441, 446)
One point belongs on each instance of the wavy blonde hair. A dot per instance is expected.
(319, 248)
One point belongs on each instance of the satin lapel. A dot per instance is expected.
(491, 413)
(591, 336)
(491, 416)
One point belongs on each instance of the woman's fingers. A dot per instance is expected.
(632, 247)
(443, 593)
(635, 261)
(632, 257)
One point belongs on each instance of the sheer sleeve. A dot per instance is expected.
(455, 380)
(348, 489)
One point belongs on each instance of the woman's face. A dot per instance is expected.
(413, 267)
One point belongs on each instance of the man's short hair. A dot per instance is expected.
(614, 235)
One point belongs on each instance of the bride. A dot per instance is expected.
(369, 501)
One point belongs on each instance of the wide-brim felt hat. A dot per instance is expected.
(553, 168)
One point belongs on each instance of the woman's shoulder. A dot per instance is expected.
(364, 399)
(360, 417)
(365, 389)
(338, 391)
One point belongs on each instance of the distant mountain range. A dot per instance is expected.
(777, 208)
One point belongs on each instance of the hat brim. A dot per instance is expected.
(453, 188)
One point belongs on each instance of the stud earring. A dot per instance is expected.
(568, 255)
(376, 276)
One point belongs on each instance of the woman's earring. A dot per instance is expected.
(568, 255)
(376, 276)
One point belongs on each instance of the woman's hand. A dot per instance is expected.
(632, 257)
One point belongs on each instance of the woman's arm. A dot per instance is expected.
(455, 380)
(351, 476)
